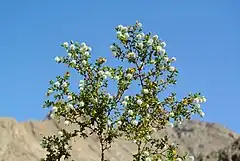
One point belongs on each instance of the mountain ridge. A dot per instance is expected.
(20, 141)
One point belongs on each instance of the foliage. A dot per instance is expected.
(135, 117)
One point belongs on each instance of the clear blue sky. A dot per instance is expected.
(203, 35)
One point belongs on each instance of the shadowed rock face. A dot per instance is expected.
(206, 141)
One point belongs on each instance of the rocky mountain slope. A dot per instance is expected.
(206, 141)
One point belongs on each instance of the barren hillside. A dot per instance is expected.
(20, 141)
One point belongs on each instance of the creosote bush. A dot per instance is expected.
(133, 117)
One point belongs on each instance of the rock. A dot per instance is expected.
(206, 141)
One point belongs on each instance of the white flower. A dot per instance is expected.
(114, 54)
(108, 73)
(143, 35)
(126, 98)
(50, 91)
(129, 76)
(165, 59)
(155, 37)
(163, 51)
(146, 153)
(60, 133)
(163, 44)
(72, 47)
(170, 125)
(139, 24)
(81, 82)
(135, 122)
(89, 49)
(197, 106)
(57, 84)
(158, 48)
(120, 27)
(154, 129)
(57, 59)
(126, 35)
(52, 115)
(202, 114)
(204, 99)
(65, 44)
(119, 123)
(69, 97)
(173, 59)
(83, 44)
(139, 36)
(131, 55)
(73, 61)
(148, 137)
(124, 103)
(171, 68)
(64, 84)
(65, 146)
(173, 145)
(171, 114)
(81, 104)
(104, 76)
(191, 158)
(119, 34)
(148, 159)
(152, 61)
(109, 123)
(54, 108)
(66, 122)
(135, 141)
(69, 105)
(150, 42)
(110, 96)
(139, 102)
(196, 100)
(145, 91)
(84, 62)
(117, 78)
(100, 72)
(130, 112)
(140, 45)
(86, 54)
(112, 48)
(124, 29)
(70, 54)
(178, 159)
(147, 105)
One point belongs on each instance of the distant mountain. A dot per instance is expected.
(206, 141)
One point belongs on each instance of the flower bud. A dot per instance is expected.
(58, 59)
(65, 44)
(66, 122)
(171, 68)
(72, 47)
(130, 112)
(163, 44)
(145, 91)
(81, 104)
(139, 102)
(60, 133)
(124, 103)
(129, 76)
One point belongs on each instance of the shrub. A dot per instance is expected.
(134, 117)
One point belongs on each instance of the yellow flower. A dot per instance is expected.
(102, 60)
(174, 152)
(131, 70)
